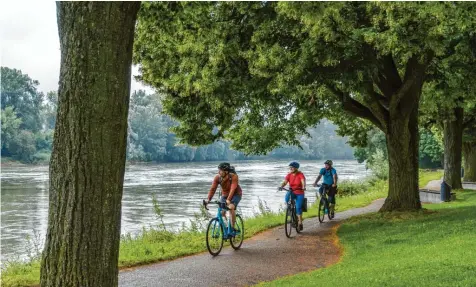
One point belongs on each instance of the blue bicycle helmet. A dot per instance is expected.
(294, 164)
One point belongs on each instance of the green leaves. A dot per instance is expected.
(261, 72)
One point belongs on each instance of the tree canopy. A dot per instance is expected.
(262, 72)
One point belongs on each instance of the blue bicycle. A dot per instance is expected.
(219, 231)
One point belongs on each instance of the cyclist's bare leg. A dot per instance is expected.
(299, 219)
(232, 214)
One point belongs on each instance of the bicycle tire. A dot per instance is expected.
(215, 235)
(237, 240)
(330, 214)
(321, 213)
(288, 222)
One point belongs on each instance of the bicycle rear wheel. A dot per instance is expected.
(322, 206)
(214, 237)
(237, 240)
(288, 223)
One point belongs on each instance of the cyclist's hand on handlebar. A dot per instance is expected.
(280, 188)
(314, 184)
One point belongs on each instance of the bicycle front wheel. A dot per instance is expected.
(214, 237)
(237, 240)
(322, 207)
(288, 223)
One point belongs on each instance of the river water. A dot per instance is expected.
(179, 188)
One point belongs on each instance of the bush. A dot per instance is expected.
(42, 156)
(353, 187)
(23, 146)
(379, 165)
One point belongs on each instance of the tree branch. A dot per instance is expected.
(354, 107)
(388, 80)
(374, 101)
(413, 79)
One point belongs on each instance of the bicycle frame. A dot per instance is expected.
(227, 233)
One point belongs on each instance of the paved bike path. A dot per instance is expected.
(266, 256)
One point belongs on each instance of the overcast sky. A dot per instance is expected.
(29, 41)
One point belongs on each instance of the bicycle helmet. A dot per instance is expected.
(224, 166)
(329, 162)
(294, 164)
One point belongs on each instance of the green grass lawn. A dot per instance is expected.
(153, 246)
(434, 247)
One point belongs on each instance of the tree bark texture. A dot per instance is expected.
(453, 141)
(469, 152)
(88, 158)
(402, 146)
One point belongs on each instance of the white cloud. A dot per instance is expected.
(30, 42)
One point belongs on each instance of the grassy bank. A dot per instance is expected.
(153, 246)
(433, 247)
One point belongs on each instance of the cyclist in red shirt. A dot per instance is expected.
(297, 183)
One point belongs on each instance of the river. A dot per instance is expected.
(179, 188)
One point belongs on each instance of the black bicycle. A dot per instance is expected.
(291, 220)
(324, 204)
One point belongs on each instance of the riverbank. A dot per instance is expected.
(432, 247)
(154, 245)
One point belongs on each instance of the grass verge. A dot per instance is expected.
(433, 247)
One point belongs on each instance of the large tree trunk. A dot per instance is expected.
(469, 152)
(402, 146)
(453, 141)
(88, 158)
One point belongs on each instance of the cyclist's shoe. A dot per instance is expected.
(301, 227)
(234, 232)
(332, 214)
(293, 224)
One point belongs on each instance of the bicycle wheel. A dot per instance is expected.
(331, 214)
(288, 223)
(322, 207)
(237, 240)
(214, 237)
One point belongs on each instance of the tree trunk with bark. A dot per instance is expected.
(402, 147)
(469, 152)
(453, 141)
(88, 158)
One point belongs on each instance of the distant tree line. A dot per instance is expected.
(28, 121)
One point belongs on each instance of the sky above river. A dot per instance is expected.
(29, 42)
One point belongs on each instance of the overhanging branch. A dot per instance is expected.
(354, 107)
(413, 80)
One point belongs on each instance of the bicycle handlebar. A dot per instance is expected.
(221, 204)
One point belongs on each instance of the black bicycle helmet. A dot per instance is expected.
(329, 162)
(294, 164)
(224, 166)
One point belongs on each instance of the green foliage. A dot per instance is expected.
(262, 72)
(20, 92)
(378, 163)
(150, 139)
(27, 124)
(10, 126)
(23, 146)
(403, 249)
(353, 187)
(375, 141)
(431, 150)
